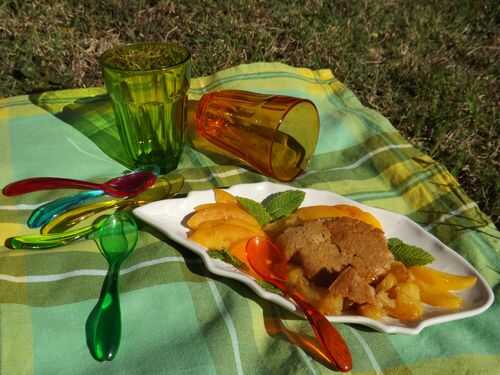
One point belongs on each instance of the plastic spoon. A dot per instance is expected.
(117, 239)
(162, 189)
(49, 241)
(275, 326)
(123, 186)
(43, 214)
(269, 263)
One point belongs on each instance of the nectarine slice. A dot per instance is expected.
(442, 281)
(215, 205)
(438, 298)
(239, 251)
(222, 196)
(324, 211)
(222, 237)
(220, 211)
(241, 223)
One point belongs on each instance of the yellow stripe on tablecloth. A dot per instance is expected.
(337, 87)
(271, 77)
(10, 230)
(380, 182)
(21, 108)
(488, 364)
(5, 160)
(419, 194)
(17, 337)
(7, 229)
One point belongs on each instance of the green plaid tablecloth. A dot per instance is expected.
(178, 319)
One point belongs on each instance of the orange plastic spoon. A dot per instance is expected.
(268, 262)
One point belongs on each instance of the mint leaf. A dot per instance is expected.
(408, 254)
(268, 287)
(227, 257)
(282, 204)
(255, 209)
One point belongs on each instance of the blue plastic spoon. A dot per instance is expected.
(43, 214)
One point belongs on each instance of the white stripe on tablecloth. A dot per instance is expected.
(445, 217)
(306, 359)
(91, 154)
(233, 172)
(358, 162)
(21, 206)
(229, 324)
(85, 272)
(368, 351)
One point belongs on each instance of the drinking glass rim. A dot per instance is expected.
(298, 102)
(105, 64)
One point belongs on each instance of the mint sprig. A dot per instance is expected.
(283, 203)
(254, 208)
(408, 254)
(268, 287)
(227, 257)
(274, 207)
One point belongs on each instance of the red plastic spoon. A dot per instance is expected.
(269, 263)
(123, 186)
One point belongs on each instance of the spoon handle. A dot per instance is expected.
(43, 214)
(47, 241)
(74, 216)
(104, 326)
(46, 183)
(326, 332)
(268, 262)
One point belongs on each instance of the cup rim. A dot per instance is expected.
(104, 64)
(298, 102)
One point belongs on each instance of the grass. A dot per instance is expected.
(431, 67)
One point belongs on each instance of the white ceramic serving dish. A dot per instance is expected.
(167, 216)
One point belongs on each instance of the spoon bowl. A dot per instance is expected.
(132, 182)
(123, 186)
(49, 241)
(117, 237)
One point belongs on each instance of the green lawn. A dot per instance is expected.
(431, 67)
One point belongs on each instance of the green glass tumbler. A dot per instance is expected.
(148, 83)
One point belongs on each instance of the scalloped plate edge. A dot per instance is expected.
(158, 214)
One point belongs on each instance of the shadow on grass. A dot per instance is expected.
(92, 116)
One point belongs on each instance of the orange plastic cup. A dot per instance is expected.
(273, 134)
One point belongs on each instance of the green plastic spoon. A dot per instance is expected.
(49, 241)
(117, 238)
